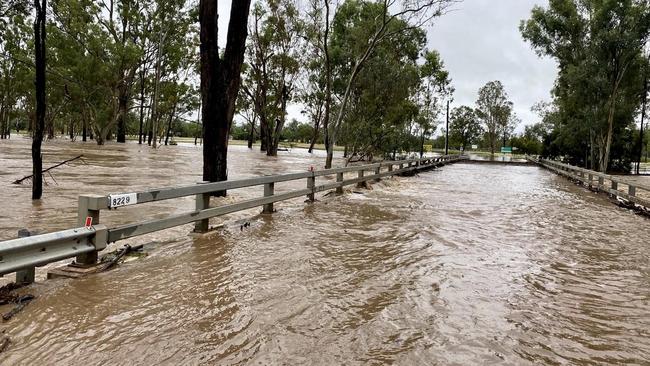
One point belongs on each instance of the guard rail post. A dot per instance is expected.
(377, 172)
(202, 203)
(339, 179)
(631, 190)
(311, 183)
(269, 190)
(360, 175)
(88, 215)
(27, 275)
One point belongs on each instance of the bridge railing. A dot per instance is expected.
(22, 255)
(636, 193)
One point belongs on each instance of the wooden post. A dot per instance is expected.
(390, 167)
(361, 184)
(339, 178)
(202, 203)
(269, 189)
(88, 208)
(377, 172)
(615, 185)
(601, 182)
(311, 183)
(27, 275)
(631, 190)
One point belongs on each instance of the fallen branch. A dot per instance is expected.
(118, 255)
(4, 342)
(22, 302)
(19, 181)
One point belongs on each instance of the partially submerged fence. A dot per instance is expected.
(635, 193)
(22, 255)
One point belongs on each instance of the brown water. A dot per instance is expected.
(471, 264)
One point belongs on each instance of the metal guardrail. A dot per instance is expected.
(22, 255)
(596, 180)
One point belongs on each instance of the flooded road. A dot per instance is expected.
(470, 264)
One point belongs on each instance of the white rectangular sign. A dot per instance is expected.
(117, 200)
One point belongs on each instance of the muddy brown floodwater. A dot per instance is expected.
(467, 265)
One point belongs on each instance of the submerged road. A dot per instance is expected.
(470, 264)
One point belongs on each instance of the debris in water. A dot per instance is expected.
(19, 181)
(4, 342)
(22, 301)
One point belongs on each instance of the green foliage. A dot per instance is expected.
(297, 132)
(494, 109)
(393, 101)
(464, 127)
(598, 45)
(272, 67)
(94, 52)
(531, 141)
(16, 73)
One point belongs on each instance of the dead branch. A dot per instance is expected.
(20, 181)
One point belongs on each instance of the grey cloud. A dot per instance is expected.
(479, 41)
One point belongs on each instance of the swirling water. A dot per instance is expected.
(469, 264)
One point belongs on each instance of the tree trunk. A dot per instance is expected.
(220, 81)
(50, 128)
(154, 103)
(2, 122)
(422, 145)
(264, 127)
(328, 87)
(123, 105)
(604, 156)
(279, 122)
(314, 136)
(317, 122)
(643, 108)
(150, 124)
(40, 62)
(142, 76)
(251, 133)
(84, 129)
(169, 122)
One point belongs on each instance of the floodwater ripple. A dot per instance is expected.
(469, 264)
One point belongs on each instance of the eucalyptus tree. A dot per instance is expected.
(246, 109)
(395, 101)
(435, 88)
(494, 109)
(40, 7)
(379, 21)
(16, 67)
(98, 54)
(598, 46)
(464, 126)
(316, 92)
(273, 65)
(174, 41)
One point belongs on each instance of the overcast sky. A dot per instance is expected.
(479, 41)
